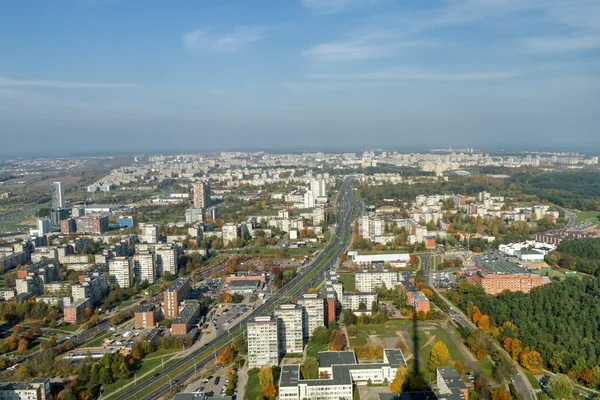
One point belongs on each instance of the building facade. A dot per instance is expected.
(314, 312)
(290, 328)
(178, 291)
(263, 349)
(369, 280)
(120, 271)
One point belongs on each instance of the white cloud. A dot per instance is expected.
(41, 83)
(563, 44)
(206, 39)
(415, 74)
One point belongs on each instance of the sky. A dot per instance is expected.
(100, 76)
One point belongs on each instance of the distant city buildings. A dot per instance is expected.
(57, 193)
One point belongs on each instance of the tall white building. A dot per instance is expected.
(370, 227)
(317, 186)
(120, 271)
(309, 199)
(230, 232)
(353, 300)
(57, 192)
(290, 328)
(144, 267)
(149, 233)
(194, 215)
(314, 312)
(369, 280)
(263, 349)
(166, 260)
(44, 226)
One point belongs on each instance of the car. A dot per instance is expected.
(217, 380)
(200, 389)
(205, 380)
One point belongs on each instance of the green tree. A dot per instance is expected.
(560, 386)
(310, 368)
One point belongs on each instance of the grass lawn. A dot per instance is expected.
(360, 339)
(293, 355)
(486, 367)
(389, 329)
(312, 349)
(583, 216)
(253, 388)
(532, 379)
(69, 327)
(97, 340)
(347, 282)
(355, 393)
(426, 340)
(162, 352)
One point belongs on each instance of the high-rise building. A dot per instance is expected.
(144, 267)
(263, 349)
(309, 199)
(92, 224)
(174, 294)
(44, 226)
(120, 271)
(290, 328)
(57, 192)
(201, 194)
(58, 215)
(149, 233)
(166, 260)
(314, 312)
(194, 215)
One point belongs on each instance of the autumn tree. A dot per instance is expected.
(337, 340)
(531, 360)
(265, 377)
(438, 357)
(270, 392)
(500, 394)
(226, 356)
(398, 382)
(484, 323)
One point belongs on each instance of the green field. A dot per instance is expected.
(312, 349)
(532, 379)
(347, 282)
(486, 367)
(427, 338)
(253, 389)
(97, 340)
(552, 273)
(583, 216)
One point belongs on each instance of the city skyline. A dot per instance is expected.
(112, 75)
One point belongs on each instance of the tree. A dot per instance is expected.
(560, 386)
(398, 382)
(482, 387)
(484, 323)
(23, 344)
(504, 369)
(265, 377)
(226, 356)
(310, 368)
(320, 335)
(531, 360)
(500, 394)
(337, 340)
(438, 357)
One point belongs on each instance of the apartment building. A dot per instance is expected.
(314, 312)
(144, 267)
(263, 349)
(230, 232)
(36, 389)
(201, 194)
(120, 270)
(290, 328)
(97, 224)
(148, 233)
(496, 274)
(341, 371)
(369, 280)
(420, 302)
(178, 291)
(166, 260)
(74, 312)
(353, 300)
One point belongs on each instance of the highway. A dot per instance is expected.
(312, 274)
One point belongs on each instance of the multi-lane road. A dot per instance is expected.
(180, 370)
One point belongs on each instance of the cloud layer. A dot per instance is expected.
(41, 83)
(205, 39)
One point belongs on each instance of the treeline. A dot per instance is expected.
(560, 322)
(581, 255)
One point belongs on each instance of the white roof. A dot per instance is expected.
(382, 257)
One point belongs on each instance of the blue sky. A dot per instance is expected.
(152, 75)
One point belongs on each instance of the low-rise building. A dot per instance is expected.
(184, 321)
(449, 383)
(246, 286)
(369, 280)
(146, 316)
(36, 389)
(420, 302)
(353, 300)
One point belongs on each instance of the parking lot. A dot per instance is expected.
(212, 383)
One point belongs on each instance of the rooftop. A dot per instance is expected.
(290, 375)
(494, 263)
(244, 284)
(395, 357)
(178, 284)
(189, 312)
(329, 358)
(144, 308)
(451, 377)
(408, 396)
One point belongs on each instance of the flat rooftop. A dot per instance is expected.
(189, 312)
(244, 284)
(144, 308)
(451, 377)
(290, 375)
(330, 358)
(395, 358)
(178, 284)
(497, 264)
